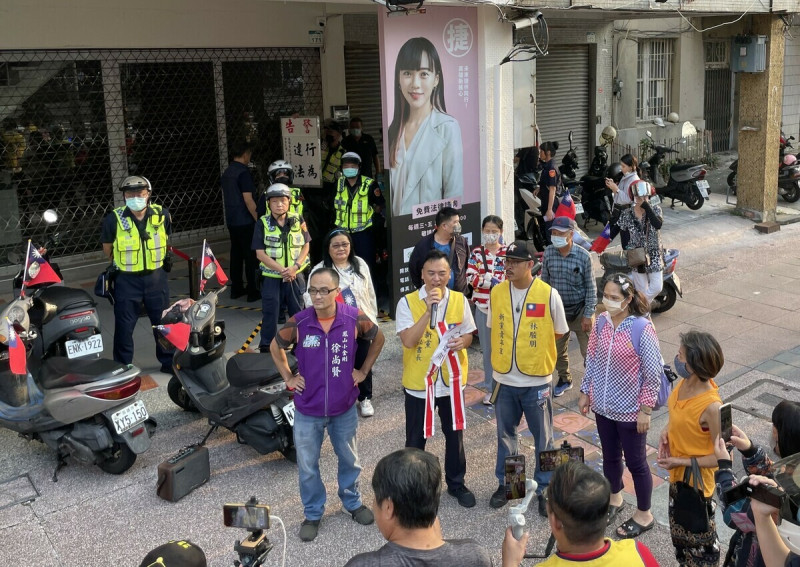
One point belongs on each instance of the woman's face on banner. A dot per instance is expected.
(417, 84)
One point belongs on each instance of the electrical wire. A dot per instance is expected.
(283, 531)
(691, 25)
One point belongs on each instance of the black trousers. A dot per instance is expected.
(365, 388)
(242, 256)
(455, 461)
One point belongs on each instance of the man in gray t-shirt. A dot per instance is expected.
(408, 487)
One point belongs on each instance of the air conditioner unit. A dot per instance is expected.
(749, 54)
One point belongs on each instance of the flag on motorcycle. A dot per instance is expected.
(17, 356)
(566, 208)
(177, 334)
(207, 259)
(347, 297)
(601, 242)
(37, 269)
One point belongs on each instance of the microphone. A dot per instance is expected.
(434, 309)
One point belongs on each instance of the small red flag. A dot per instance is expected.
(177, 334)
(17, 355)
(37, 269)
(566, 208)
(209, 258)
(601, 242)
(534, 309)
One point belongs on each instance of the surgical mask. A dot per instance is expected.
(136, 203)
(559, 241)
(490, 238)
(350, 172)
(356, 132)
(457, 228)
(612, 306)
(680, 368)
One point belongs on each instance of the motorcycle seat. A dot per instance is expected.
(682, 166)
(62, 372)
(63, 298)
(249, 370)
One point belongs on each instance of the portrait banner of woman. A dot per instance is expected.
(430, 84)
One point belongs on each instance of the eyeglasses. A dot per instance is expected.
(323, 291)
(340, 246)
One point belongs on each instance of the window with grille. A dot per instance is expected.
(654, 78)
(717, 54)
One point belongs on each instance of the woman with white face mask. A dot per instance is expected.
(621, 384)
(486, 269)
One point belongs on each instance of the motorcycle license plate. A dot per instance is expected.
(92, 345)
(288, 411)
(129, 416)
(702, 185)
(578, 209)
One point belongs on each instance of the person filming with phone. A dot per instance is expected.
(577, 511)
(744, 549)
(643, 223)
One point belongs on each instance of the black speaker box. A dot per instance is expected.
(183, 472)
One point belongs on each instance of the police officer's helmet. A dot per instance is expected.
(278, 190)
(351, 157)
(614, 172)
(135, 183)
(276, 168)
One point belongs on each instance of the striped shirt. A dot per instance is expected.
(572, 276)
(477, 266)
(617, 380)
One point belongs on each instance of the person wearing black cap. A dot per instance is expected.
(177, 553)
(568, 268)
(526, 317)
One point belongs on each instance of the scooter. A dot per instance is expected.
(617, 262)
(534, 221)
(244, 394)
(569, 163)
(686, 182)
(788, 173)
(76, 403)
(596, 198)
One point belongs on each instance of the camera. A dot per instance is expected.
(769, 495)
(253, 517)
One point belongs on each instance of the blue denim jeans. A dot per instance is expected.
(537, 404)
(309, 432)
(485, 338)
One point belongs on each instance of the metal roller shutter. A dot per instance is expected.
(362, 70)
(562, 100)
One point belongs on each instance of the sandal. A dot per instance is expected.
(632, 529)
(613, 511)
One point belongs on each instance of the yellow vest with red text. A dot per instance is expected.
(619, 553)
(533, 342)
(417, 361)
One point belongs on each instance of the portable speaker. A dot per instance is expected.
(182, 473)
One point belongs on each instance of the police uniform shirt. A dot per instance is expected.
(258, 233)
(235, 182)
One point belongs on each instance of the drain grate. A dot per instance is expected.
(17, 490)
(760, 398)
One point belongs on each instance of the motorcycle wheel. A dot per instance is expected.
(535, 234)
(694, 200)
(178, 395)
(793, 194)
(666, 299)
(732, 182)
(121, 461)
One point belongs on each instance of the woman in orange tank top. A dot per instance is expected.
(690, 433)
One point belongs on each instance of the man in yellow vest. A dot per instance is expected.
(526, 316)
(353, 205)
(281, 242)
(435, 371)
(577, 510)
(135, 239)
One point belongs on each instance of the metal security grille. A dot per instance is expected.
(76, 123)
(654, 78)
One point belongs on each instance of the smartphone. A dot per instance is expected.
(642, 189)
(767, 494)
(725, 422)
(551, 460)
(515, 477)
(243, 516)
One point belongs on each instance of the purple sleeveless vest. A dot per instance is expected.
(326, 362)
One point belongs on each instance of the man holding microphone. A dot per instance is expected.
(435, 325)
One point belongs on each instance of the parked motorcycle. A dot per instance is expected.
(69, 398)
(617, 262)
(244, 394)
(569, 163)
(686, 181)
(596, 198)
(788, 173)
(533, 229)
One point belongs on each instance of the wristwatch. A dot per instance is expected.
(645, 410)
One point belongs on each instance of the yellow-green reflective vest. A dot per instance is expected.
(131, 252)
(282, 247)
(353, 213)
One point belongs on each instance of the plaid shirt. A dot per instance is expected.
(572, 277)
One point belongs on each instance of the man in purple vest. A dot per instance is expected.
(326, 389)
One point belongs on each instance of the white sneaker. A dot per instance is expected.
(366, 409)
(487, 400)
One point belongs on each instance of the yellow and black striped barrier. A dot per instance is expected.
(246, 344)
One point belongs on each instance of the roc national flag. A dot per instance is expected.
(37, 269)
(534, 309)
(566, 208)
(16, 350)
(177, 334)
(601, 242)
(347, 297)
(207, 259)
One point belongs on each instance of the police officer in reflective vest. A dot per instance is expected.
(281, 242)
(135, 238)
(281, 171)
(356, 197)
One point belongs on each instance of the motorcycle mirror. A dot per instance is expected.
(50, 216)
(649, 135)
(209, 270)
(659, 122)
(569, 136)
